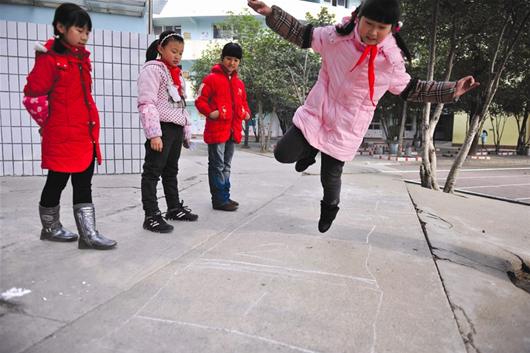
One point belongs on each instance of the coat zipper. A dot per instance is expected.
(91, 123)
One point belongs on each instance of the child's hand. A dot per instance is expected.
(260, 7)
(214, 114)
(156, 144)
(465, 85)
(247, 116)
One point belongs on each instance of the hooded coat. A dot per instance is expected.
(337, 112)
(60, 84)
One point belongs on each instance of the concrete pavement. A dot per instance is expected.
(401, 270)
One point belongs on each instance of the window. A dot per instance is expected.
(342, 3)
(220, 32)
(159, 29)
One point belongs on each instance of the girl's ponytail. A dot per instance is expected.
(152, 52)
(164, 38)
(345, 29)
(401, 44)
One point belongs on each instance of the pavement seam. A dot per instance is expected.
(467, 339)
(473, 193)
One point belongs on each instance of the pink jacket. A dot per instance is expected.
(338, 110)
(155, 104)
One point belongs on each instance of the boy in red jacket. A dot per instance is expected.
(223, 100)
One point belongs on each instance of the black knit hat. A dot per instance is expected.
(384, 11)
(232, 49)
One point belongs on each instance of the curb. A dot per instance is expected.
(498, 198)
(397, 159)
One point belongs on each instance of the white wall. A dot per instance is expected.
(35, 14)
(116, 58)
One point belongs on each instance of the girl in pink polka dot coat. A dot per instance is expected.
(167, 127)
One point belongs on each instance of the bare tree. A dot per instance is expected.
(402, 127)
(523, 141)
(507, 39)
(428, 164)
(498, 124)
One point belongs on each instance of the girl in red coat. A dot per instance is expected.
(58, 96)
(223, 100)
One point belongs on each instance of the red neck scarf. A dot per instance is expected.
(175, 75)
(372, 50)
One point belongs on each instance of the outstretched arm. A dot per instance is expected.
(260, 7)
(465, 85)
(438, 92)
(284, 24)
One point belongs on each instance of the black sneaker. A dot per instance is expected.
(156, 224)
(225, 207)
(181, 213)
(304, 163)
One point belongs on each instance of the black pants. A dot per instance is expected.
(56, 182)
(163, 164)
(293, 147)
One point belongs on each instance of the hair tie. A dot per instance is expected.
(399, 26)
(166, 37)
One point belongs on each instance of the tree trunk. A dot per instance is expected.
(427, 169)
(261, 125)
(269, 129)
(402, 127)
(245, 143)
(499, 124)
(522, 142)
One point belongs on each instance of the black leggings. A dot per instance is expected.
(293, 147)
(56, 182)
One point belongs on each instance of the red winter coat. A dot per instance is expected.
(228, 96)
(71, 130)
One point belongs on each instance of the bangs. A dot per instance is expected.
(79, 19)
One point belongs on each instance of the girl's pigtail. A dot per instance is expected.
(152, 52)
(346, 29)
(401, 44)
(58, 45)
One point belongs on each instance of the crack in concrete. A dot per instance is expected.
(471, 331)
(434, 217)
(451, 305)
(8, 245)
(128, 208)
(465, 257)
(15, 308)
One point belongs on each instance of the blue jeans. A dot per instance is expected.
(219, 162)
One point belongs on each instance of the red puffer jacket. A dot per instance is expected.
(71, 132)
(227, 95)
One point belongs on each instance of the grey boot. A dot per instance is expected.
(89, 237)
(52, 229)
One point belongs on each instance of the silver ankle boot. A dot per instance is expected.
(52, 229)
(89, 237)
